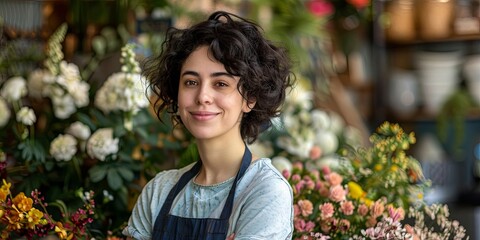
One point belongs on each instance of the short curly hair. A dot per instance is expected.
(264, 69)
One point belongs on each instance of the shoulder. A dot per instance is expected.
(262, 178)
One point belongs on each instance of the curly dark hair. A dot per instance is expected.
(264, 68)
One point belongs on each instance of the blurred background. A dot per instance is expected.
(412, 62)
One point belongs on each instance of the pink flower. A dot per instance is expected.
(371, 221)
(359, 4)
(298, 166)
(362, 210)
(306, 207)
(326, 170)
(320, 8)
(337, 193)
(397, 214)
(286, 174)
(296, 210)
(326, 210)
(347, 207)
(334, 178)
(344, 225)
(302, 226)
(377, 208)
(309, 184)
(315, 152)
(299, 186)
(296, 178)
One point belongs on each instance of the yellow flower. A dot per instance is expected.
(34, 218)
(394, 168)
(22, 202)
(62, 233)
(355, 190)
(378, 167)
(4, 190)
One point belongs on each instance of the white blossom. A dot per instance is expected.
(14, 89)
(37, 81)
(4, 113)
(122, 91)
(26, 116)
(79, 92)
(101, 144)
(63, 147)
(63, 106)
(79, 130)
(327, 141)
(282, 163)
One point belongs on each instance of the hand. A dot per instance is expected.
(231, 237)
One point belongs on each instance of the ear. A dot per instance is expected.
(248, 106)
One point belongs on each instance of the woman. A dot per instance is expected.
(224, 82)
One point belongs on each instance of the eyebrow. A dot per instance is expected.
(215, 74)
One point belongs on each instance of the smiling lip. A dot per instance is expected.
(203, 116)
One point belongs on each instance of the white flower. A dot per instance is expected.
(327, 141)
(26, 116)
(14, 89)
(63, 147)
(122, 91)
(320, 119)
(79, 130)
(37, 81)
(63, 106)
(70, 72)
(282, 163)
(4, 113)
(79, 92)
(101, 144)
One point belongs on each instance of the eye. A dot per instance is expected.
(221, 84)
(190, 83)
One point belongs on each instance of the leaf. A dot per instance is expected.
(126, 173)
(97, 173)
(114, 180)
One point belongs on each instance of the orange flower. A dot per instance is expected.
(22, 202)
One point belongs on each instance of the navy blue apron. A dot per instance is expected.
(171, 227)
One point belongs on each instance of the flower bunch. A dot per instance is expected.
(56, 139)
(20, 217)
(326, 204)
(306, 134)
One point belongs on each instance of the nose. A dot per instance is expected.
(204, 95)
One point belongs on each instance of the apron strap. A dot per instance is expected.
(246, 161)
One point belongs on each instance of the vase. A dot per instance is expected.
(401, 20)
(438, 76)
(435, 18)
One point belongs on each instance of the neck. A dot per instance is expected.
(220, 161)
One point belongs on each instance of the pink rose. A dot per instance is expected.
(306, 207)
(302, 226)
(337, 193)
(334, 178)
(362, 210)
(377, 208)
(326, 210)
(347, 207)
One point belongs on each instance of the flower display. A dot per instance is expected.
(351, 190)
(62, 134)
(21, 215)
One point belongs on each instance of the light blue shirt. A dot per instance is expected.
(262, 208)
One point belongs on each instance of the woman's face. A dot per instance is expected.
(209, 103)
